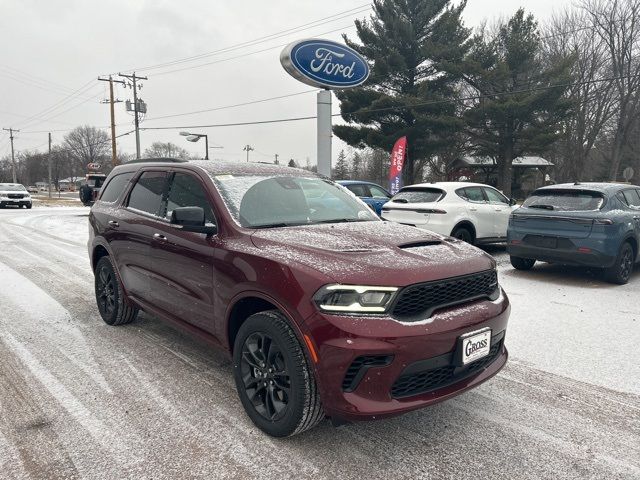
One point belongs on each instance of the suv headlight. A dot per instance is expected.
(354, 298)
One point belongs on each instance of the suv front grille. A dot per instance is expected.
(15, 195)
(429, 380)
(421, 300)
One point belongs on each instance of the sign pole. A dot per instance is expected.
(324, 132)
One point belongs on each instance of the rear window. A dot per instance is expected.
(114, 188)
(565, 200)
(418, 195)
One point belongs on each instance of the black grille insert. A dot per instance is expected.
(359, 367)
(429, 380)
(421, 300)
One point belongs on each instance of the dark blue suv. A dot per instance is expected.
(586, 224)
(370, 193)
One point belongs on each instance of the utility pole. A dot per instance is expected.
(49, 164)
(276, 161)
(13, 157)
(114, 159)
(134, 82)
(248, 148)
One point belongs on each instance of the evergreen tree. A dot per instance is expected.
(341, 170)
(356, 168)
(518, 113)
(292, 163)
(410, 46)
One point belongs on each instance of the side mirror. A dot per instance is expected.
(191, 219)
(512, 201)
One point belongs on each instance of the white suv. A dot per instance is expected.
(472, 212)
(14, 194)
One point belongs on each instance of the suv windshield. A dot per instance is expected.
(565, 200)
(12, 188)
(272, 201)
(418, 195)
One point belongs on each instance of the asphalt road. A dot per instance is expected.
(79, 399)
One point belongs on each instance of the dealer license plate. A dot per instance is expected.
(475, 345)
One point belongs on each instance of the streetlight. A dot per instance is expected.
(194, 137)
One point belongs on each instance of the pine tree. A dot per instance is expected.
(292, 163)
(410, 46)
(341, 170)
(356, 166)
(518, 113)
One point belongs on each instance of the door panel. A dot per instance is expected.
(480, 212)
(182, 281)
(501, 211)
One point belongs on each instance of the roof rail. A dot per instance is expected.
(161, 160)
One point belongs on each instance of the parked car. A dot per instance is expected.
(90, 190)
(324, 310)
(370, 193)
(472, 212)
(32, 189)
(585, 224)
(14, 194)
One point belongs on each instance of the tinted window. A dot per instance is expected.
(378, 192)
(187, 191)
(495, 197)
(473, 194)
(147, 192)
(418, 195)
(631, 197)
(565, 200)
(114, 188)
(358, 190)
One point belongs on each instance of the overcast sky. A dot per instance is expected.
(54, 48)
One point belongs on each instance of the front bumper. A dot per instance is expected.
(19, 202)
(401, 351)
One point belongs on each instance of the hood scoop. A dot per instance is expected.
(420, 244)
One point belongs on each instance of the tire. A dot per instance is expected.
(279, 412)
(463, 233)
(29, 206)
(522, 263)
(112, 305)
(620, 271)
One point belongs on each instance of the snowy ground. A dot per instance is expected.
(79, 399)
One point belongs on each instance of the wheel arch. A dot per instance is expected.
(468, 225)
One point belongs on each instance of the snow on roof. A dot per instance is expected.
(525, 161)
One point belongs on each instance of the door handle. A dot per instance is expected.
(159, 236)
(114, 224)
(498, 209)
(473, 209)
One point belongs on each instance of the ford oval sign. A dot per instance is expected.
(325, 64)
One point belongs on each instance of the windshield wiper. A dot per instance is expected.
(543, 207)
(276, 225)
(343, 220)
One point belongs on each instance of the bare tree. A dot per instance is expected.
(166, 150)
(593, 101)
(86, 145)
(617, 24)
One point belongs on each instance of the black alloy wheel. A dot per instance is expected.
(621, 270)
(106, 291)
(265, 376)
(463, 234)
(112, 305)
(274, 376)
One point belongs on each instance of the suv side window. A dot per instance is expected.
(358, 190)
(474, 194)
(377, 192)
(632, 198)
(495, 196)
(146, 195)
(187, 191)
(114, 188)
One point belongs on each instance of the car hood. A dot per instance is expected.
(6, 192)
(373, 253)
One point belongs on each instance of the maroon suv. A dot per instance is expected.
(324, 308)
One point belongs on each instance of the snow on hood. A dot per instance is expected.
(380, 253)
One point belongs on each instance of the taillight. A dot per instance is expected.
(584, 250)
(430, 210)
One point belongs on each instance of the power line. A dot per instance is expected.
(306, 26)
(166, 72)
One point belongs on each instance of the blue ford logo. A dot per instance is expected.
(324, 64)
